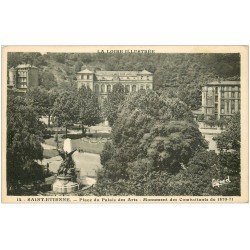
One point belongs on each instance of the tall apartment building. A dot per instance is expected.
(221, 99)
(22, 77)
(102, 82)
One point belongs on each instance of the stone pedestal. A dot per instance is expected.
(64, 185)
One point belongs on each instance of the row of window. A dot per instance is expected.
(233, 95)
(108, 88)
(210, 103)
(223, 95)
(23, 85)
(22, 73)
(226, 88)
(223, 111)
(22, 79)
(231, 88)
(89, 77)
(86, 77)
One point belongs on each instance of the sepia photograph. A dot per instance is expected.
(124, 124)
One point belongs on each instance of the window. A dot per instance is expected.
(108, 88)
(127, 88)
(102, 88)
(87, 77)
(216, 108)
(97, 88)
(142, 87)
(209, 102)
(222, 94)
(216, 98)
(210, 111)
(134, 88)
(233, 104)
(147, 86)
(232, 95)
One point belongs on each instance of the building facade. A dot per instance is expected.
(221, 99)
(102, 82)
(22, 77)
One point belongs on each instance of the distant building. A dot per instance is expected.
(221, 99)
(22, 77)
(102, 82)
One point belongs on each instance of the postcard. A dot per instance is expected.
(125, 124)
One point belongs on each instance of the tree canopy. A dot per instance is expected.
(230, 138)
(88, 107)
(113, 101)
(152, 134)
(65, 110)
(229, 144)
(24, 137)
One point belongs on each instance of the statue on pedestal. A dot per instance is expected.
(66, 174)
(67, 167)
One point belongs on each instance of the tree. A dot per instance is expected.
(33, 58)
(196, 178)
(47, 79)
(42, 100)
(52, 95)
(38, 98)
(78, 65)
(229, 144)
(24, 137)
(191, 95)
(114, 99)
(230, 138)
(89, 110)
(65, 109)
(152, 134)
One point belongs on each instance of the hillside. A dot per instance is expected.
(185, 73)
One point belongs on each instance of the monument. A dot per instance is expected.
(66, 174)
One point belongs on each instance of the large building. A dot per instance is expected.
(221, 99)
(102, 82)
(22, 77)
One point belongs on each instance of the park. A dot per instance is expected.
(130, 131)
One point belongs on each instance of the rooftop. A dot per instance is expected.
(115, 73)
(85, 71)
(23, 66)
(145, 72)
(224, 83)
